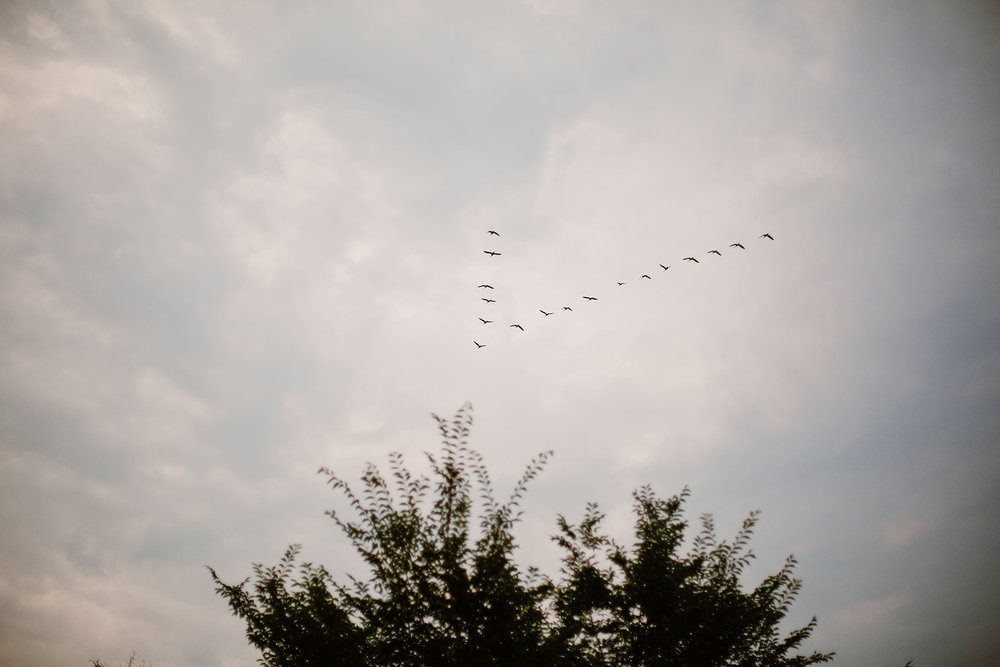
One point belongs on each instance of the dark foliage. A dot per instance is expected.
(442, 591)
(650, 605)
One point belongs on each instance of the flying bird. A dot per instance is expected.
(620, 284)
(590, 298)
(715, 251)
(518, 326)
(691, 259)
(488, 300)
(491, 253)
(493, 233)
(766, 236)
(664, 267)
(646, 277)
(543, 312)
(478, 345)
(485, 321)
(737, 245)
(487, 286)
(567, 308)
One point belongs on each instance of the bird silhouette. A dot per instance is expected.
(620, 283)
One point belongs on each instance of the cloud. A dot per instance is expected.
(872, 615)
(237, 244)
(905, 533)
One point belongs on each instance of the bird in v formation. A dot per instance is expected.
(665, 267)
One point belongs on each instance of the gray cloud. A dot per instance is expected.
(237, 245)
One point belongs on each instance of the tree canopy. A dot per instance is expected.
(443, 588)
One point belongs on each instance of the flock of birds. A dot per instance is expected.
(645, 276)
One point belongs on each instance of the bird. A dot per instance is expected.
(478, 345)
(488, 300)
(766, 236)
(691, 259)
(485, 321)
(664, 267)
(737, 245)
(714, 251)
(646, 276)
(568, 308)
(620, 284)
(493, 233)
(518, 326)
(491, 253)
(590, 298)
(543, 312)
(487, 286)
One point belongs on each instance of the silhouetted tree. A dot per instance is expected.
(440, 592)
(650, 605)
(131, 662)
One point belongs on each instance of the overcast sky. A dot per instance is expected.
(239, 241)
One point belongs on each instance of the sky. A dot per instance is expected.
(240, 241)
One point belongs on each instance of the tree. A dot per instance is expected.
(131, 662)
(439, 592)
(650, 605)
